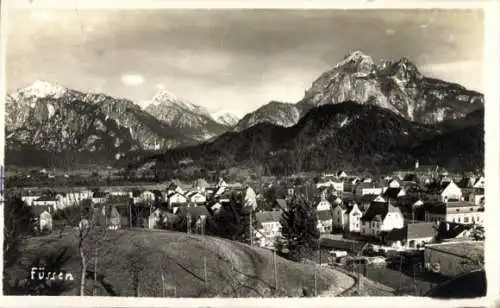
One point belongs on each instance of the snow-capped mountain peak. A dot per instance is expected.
(226, 117)
(164, 97)
(41, 89)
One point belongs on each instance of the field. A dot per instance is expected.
(232, 269)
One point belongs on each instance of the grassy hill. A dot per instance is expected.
(233, 269)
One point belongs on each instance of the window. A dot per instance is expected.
(458, 210)
(458, 219)
(466, 219)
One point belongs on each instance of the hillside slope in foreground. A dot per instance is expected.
(233, 269)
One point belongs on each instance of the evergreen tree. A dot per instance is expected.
(299, 229)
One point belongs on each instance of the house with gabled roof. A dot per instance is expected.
(324, 221)
(352, 218)
(338, 216)
(196, 197)
(413, 235)
(480, 182)
(381, 216)
(268, 227)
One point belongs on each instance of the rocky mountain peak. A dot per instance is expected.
(40, 89)
(405, 70)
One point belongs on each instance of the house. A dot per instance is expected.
(115, 219)
(453, 258)
(394, 193)
(336, 185)
(175, 187)
(381, 216)
(176, 198)
(342, 174)
(99, 197)
(268, 227)
(394, 183)
(467, 182)
(221, 183)
(338, 216)
(43, 217)
(462, 212)
(480, 182)
(196, 197)
(324, 221)
(367, 189)
(323, 205)
(159, 216)
(352, 218)
(47, 200)
(413, 235)
(449, 191)
(29, 198)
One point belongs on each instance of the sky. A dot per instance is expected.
(232, 60)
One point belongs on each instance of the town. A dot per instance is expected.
(425, 215)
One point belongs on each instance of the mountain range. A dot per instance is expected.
(397, 86)
(356, 113)
(48, 124)
(347, 135)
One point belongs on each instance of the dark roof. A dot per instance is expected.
(350, 207)
(379, 209)
(410, 177)
(99, 194)
(420, 230)
(391, 193)
(324, 215)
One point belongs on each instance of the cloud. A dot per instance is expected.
(132, 79)
(160, 86)
(390, 31)
(467, 73)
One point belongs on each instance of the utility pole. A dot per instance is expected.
(275, 272)
(94, 291)
(251, 227)
(162, 285)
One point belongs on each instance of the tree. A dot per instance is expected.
(19, 223)
(136, 264)
(477, 233)
(84, 218)
(299, 229)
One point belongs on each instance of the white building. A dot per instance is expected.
(339, 217)
(269, 227)
(352, 218)
(196, 197)
(176, 198)
(457, 212)
(381, 216)
(323, 205)
(336, 185)
(450, 192)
